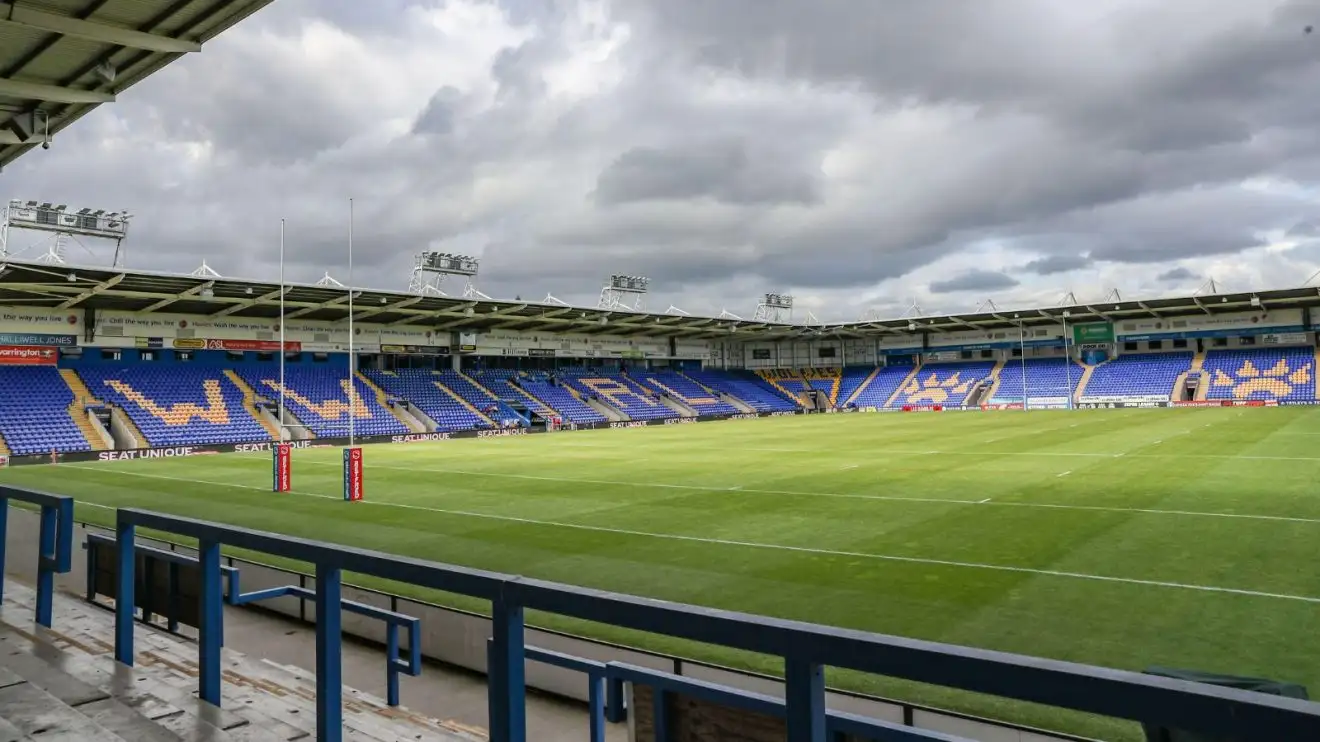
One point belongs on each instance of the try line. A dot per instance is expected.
(757, 545)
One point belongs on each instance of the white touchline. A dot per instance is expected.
(786, 493)
(755, 545)
(1065, 473)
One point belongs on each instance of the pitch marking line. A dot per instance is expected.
(1065, 473)
(787, 493)
(775, 547)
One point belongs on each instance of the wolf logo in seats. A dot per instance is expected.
(330, 409)
(1277, 381)
(936, 390)
(215, 412)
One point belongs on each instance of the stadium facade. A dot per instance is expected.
(102, 363)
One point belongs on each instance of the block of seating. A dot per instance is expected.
(1137, 376)
(684, 390)
(1048, 380)
(618, 391)
(747, 387)
(1286, 374)
(319, 398)
(418, 387)
(557, 396)
(34, 411)
(506, 384)
(942, 384)
(882, 387)
(177, 404)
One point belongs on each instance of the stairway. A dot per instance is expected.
(250, 404)
(63, 684)
(1198, 364)
(82, 396)
(1086, 378)
(383, 399)
(767, 378)
(4, 447)
(599, 405)
(457, 397)
(994, 381)
(534, 404)
(725, 396)
(899, 389)
(862, 386)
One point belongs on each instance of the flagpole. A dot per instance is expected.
(282, 345)
(352, 358)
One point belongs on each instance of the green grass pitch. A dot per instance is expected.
(1123, 538)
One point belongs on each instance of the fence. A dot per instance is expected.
(54, 545)
(805, 648)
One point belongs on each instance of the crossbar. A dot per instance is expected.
(54, 547)
(806, 648)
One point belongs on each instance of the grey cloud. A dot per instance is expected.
(722, 170)
(1054, 264)
(739, 146)
(1174, 275)
(974, 280)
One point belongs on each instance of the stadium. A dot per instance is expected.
(228, 503)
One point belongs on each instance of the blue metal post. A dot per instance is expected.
(596, 701)
(329, 672)
(660, 714)
(4, 538)
(392, 664)
(211, 633)
(804, 700)
(615, 713)
(46, 563)
(124, 597)
(506, 673)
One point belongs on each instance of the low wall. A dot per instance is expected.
(459, 638)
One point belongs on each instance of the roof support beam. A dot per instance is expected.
(93, 291)
(194, 291)
(387, 308)
(22, 15)
(323, 305)
(12, 88)
(246, 303)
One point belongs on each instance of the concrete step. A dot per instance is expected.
(260, 701)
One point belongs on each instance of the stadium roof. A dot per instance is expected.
(60, 59)
(29, 284)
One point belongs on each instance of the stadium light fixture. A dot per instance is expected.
(63, 225)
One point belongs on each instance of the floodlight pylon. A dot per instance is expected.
(432, 270)
(624, 292)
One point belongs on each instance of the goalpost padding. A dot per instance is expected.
(282, 463)
(353, 474)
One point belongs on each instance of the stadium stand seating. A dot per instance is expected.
(1048, 380)
(506, 385)
(1265, 373)
(851, 379)
(558, 397)
(177, 405)
(34, 412)
(1137, 376)
(319, 398)
(684, 390)
(751, 389)
(418, 386)
(943, 384)
(883, 386)
(484, 400)
(618, 391)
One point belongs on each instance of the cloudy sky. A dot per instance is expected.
(857, 153)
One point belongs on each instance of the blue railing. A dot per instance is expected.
(395, 664)
(805, 648)
(55, 545)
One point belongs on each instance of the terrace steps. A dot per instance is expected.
(466, 404)
(383, 399)
(532, 401)
(126, 421)
(82, 397)
(862, 387)
(599, 405)
(772, 381)
(1087, 371)
(4, 447)
(898, 390)
(994, 381)
(675, 401)
(155, 701)
(250, 404)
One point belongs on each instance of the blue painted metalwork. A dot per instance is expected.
(1209, 710)
(55, 543)
(231, 579)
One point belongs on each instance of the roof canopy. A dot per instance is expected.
(32, 284)
(59, 59)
